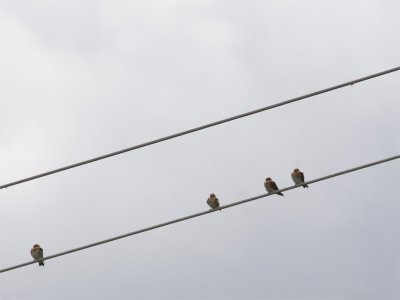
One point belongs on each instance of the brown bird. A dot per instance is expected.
(37, 254)
(271, 186)
(298, 177)
(213, 202)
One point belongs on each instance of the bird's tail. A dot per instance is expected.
(41, 263)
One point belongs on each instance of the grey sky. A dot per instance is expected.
(83, 78)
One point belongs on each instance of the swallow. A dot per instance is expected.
(271, 186)
(213, 202)
(37, 254)
(298, 177)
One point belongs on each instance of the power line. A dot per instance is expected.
(172, 136)
(200, 214)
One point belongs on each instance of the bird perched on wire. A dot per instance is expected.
(271, 186)
(213, 202)
(298, 177)
(37, 254)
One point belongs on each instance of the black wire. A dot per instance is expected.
(201, 213)
(172, 136)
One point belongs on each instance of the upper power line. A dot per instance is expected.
(172, 136)
(202, 213)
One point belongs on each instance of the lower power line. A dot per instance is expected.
(202, 213)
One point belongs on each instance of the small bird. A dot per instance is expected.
(37, 254)
(271, 186)
(213, 202)
(298, 177)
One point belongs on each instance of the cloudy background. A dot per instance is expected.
(84, 78)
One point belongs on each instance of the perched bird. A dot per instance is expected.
(271, 186)
(37, 254)
(212, 201)
(298, 177)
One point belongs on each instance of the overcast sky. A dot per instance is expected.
(84, 78)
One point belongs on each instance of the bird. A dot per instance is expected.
(298, 177)
(271, 186)
(37, 254)
(213, 202)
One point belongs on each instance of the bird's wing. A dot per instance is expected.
(274, 186)
(302, 176)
